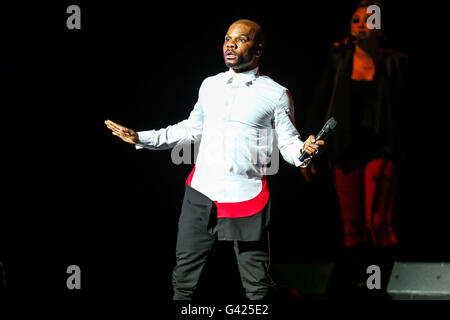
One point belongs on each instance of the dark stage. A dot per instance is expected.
(76, 195)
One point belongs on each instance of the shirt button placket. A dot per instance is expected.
(230, 100)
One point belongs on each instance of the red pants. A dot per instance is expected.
(366, 196)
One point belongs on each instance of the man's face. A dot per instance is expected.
(240, 51)
(358, 25)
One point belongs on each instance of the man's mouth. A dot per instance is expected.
(230, 55)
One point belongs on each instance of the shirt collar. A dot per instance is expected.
(241, 78)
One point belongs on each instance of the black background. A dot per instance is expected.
(75, 194)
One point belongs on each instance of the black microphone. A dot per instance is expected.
(322, 135)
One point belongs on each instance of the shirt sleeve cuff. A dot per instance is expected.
(146, 139)
(298, 146)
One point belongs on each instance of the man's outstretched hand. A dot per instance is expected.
(126, 134)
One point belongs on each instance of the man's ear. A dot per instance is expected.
(259, 50)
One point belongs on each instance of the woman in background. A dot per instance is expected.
(363, 87)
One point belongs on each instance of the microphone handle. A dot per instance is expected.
(323, 134)
(320, 135)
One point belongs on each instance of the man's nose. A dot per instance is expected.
(231, 44)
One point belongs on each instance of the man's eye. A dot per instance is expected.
(227, 39)
(242, 40)
(355, 20)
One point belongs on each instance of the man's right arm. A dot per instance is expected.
(184, 132)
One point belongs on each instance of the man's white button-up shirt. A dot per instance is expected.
(237, 117)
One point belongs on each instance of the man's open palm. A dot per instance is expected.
(126, 134)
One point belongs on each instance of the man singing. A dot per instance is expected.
(226, 196)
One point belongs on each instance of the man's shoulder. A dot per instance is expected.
(215, 77)
(211, 81)
(267, 84)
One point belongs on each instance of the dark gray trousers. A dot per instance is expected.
(197, 234)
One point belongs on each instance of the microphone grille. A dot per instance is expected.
(331, 124)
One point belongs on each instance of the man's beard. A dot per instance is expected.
(234, 64)
(240, 63)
